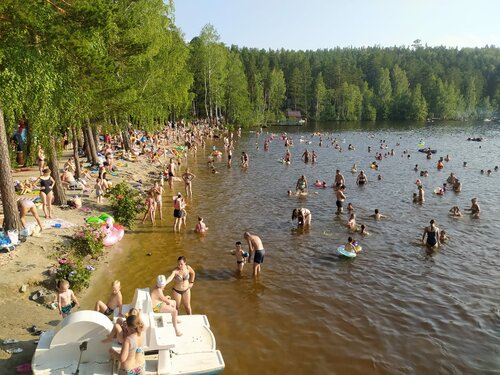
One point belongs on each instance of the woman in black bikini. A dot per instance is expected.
(183, 277)
(46, 185)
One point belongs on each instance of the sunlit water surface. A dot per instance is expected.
(392, 310)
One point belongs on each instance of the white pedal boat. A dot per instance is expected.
(193, 353)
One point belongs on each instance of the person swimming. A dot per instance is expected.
(455, 212)
(363, 231)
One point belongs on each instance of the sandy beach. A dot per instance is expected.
(30, 267)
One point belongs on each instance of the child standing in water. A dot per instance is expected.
(66, 299)
(241, 256)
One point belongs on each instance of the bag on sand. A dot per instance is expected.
(13, 236)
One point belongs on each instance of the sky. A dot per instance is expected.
(318, 24)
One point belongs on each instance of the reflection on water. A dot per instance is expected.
(393, 310)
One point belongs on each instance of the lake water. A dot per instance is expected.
(392, 310)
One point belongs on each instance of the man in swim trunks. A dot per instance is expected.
(339, 179)
(256, 249)
(179, 211)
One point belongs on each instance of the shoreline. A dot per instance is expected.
(29, 266)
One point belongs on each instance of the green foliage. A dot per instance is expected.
(418, 105)
(319, 97)
(88, 241)
(76, 273)
(276, 93)
(126, 203)
(383, 92)
(387, 79)
(237, 105)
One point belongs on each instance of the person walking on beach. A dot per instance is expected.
(46, 185)
(256, 251)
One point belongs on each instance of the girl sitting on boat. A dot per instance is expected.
(132, 356)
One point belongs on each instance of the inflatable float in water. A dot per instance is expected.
(427, 150)
(341, 251)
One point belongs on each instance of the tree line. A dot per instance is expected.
(344, 84)
(82, 67)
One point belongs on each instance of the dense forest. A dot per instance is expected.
(398, 83)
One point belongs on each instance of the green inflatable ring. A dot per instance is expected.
(105, 217)
(94, 220)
